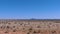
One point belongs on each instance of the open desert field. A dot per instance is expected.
(26, 26)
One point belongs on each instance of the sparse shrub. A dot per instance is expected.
(13, 26)
(20, 24)
(53, 31)
(14, 30)
(28, 33)
(23, 28)
(6, 32)
(34, 32)
(1, 27)
(38, 27)
(30, 28)
(8, 27)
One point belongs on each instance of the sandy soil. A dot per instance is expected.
(29, 27)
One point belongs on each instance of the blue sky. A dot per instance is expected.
(26, 9)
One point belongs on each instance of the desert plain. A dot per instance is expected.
(28, 26)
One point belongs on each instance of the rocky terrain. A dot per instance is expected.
(25, 26)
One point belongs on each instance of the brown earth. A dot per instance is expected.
(29, 26)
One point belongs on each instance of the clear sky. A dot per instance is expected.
(26, 9)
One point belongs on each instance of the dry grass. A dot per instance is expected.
(29, 27)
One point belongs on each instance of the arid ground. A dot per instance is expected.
(11, 26)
